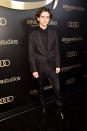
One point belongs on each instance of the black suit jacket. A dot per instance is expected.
(38, 55)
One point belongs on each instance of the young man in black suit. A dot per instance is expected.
(44, 56)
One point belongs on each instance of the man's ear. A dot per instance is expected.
(37, 18)
(49, 20)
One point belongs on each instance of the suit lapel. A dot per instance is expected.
(49, 40)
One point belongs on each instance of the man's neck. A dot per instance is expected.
(43, 27)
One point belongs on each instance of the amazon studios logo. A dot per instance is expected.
(34, 23)
(70, 81)
(4, 63)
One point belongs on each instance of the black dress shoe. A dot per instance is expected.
(60, 116)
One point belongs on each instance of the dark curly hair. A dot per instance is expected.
(43, 9)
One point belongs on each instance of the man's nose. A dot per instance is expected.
(45, 18)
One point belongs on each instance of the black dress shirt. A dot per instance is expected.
(44, 36)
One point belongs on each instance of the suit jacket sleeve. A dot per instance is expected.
(32, 53)
(57, 55)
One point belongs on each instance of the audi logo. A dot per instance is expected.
(3, 22)
(4, 63)
(6, 99)
(72, 53)
(73, 24)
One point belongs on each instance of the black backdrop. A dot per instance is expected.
(18, 89)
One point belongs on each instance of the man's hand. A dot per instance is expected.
(57, 70)
(35, 74)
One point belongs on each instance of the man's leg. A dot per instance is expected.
(40, 92)
(54, 80)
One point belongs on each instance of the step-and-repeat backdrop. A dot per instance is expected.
(17, 86)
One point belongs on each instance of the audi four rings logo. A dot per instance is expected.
(3, 22)
(4, 63)
(20, 5)
(73, 24)
(6, 99)
(71, 54)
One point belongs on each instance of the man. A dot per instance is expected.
(44, 56)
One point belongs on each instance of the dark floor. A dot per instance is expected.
(74, 109)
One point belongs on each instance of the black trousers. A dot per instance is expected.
(47, 73)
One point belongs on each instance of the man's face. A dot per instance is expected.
(44, 19)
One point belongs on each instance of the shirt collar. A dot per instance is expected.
(43, 29)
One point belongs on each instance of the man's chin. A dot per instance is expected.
(45, 25)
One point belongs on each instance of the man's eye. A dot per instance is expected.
(46, 17)
(42, 16)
